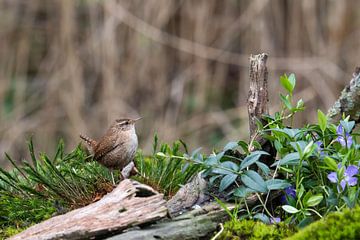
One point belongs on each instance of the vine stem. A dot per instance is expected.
(215, 165)
(268, 194)
(264, 206)
(250, 147)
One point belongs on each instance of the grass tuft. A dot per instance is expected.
(163, 173)
(45, 186)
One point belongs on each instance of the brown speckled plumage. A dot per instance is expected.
(117, 147)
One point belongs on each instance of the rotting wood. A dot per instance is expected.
(258, 93)
(349, 100)
(129, 204)
(197, 227)
(192, 193)
(196, 224)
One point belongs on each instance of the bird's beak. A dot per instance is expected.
(137, 119)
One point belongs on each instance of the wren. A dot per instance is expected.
(117, 148)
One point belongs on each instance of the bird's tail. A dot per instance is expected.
(89, 141)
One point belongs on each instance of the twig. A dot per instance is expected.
(218, 234)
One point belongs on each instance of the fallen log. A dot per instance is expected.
(196, 224)
(129, 204)
(200, 223)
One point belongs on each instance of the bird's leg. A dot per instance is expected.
(128, 170)
(112, 176)
(122, 176)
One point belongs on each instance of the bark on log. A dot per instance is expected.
(192, 193)
(129, 204)
(258, 94)
(349, 101)
(199, 223)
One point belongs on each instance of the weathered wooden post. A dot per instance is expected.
(258, 93)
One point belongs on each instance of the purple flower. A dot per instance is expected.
(348, 177)
(320, 147)
(344, 138)
(274, 220)
(290, 192)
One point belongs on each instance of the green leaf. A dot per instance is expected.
(262, 217)
(211, 160)
(242, 191)
(292, 81)
(254, 181)
(290, 209)
(287, 84)
(220, 155)
(299, 144)
(348, 126)
(230, 146)
(322, 120)
(227, 181)
(276, 184)
(300, 104)
(287, 132)
(301, 191)
(309, 148)
(330, 163)
(264, 168)
(306, 196)
(161, 154)
(195, 152)
(252, 158)
(156, 143)
(286, 101)
(244, 145)
(314, 200)
(290, 159)
(213, 178)
(224, 166)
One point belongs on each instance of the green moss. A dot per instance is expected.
(20, 211)
(9, 231)
(251, 230)
(339, 225)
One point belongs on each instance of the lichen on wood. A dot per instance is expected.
(349, 100)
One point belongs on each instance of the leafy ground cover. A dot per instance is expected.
(314, 173)
(315, 168)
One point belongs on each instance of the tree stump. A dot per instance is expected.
(258, 98)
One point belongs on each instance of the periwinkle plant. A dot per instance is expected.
(316, 166)
(346, 176)
(344, 137)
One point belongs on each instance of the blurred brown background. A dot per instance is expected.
(71, 66)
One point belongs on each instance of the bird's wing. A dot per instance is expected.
(105, 146)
